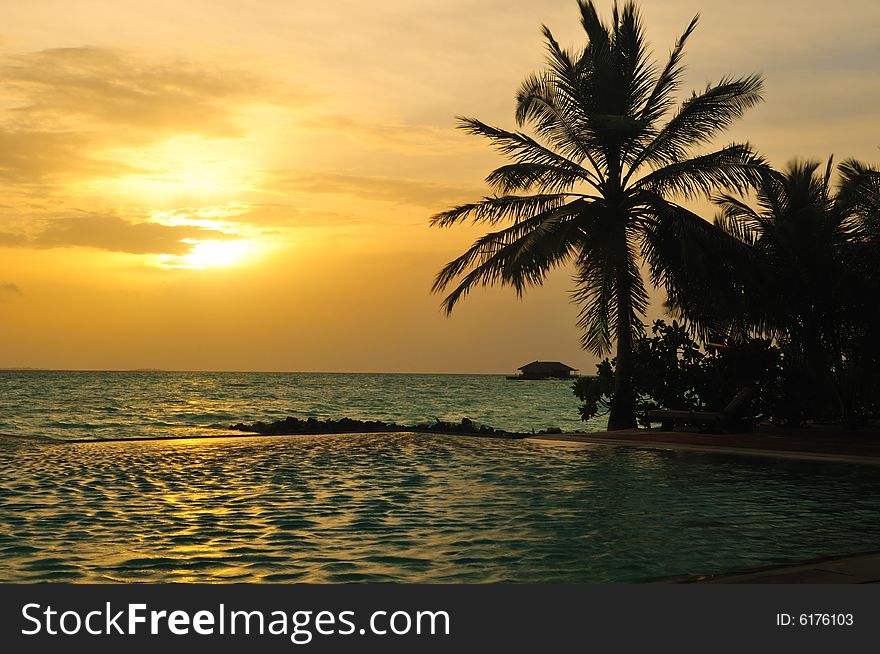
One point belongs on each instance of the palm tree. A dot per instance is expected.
(812, 279)
(593, 185)
(859, 189)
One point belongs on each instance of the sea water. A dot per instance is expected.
(88, 405)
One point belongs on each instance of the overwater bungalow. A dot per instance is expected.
(545, 370)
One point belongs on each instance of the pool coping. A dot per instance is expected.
(857, 568)
(622, 441)
(657, 441)
(226, 434)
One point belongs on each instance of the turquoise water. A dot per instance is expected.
(80, 405)
(413, 508)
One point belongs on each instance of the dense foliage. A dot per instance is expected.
(673, 371)
(802, 269)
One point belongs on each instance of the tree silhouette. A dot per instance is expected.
(594, 185)
(811, 282)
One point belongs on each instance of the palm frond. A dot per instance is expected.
(771, 194)
(597, 291)
(524, 149)
(571, 77)
(520, 255)
(728, 223)
(525, 176)
(734, 167)
(713, 280)
(700, 119)
(597, 32)
(495, 209)
(737, 214)
(826, 180)
(859, 188)
(554, 116)
(669, 80)
(596, 294)
(635, 72)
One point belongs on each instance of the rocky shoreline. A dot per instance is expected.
(291, 425)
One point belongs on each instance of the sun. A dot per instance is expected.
(220, 241)
(205, 254)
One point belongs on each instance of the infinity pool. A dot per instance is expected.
(413, 508)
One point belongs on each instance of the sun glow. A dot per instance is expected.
(212, 218)
(204, 254)
(181, 168)
(220, 240)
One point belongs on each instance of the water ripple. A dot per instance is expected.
(412, 508)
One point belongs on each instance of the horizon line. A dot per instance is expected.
(278, 372)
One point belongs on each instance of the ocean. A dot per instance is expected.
(102, 405)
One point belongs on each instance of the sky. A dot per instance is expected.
(227, 185)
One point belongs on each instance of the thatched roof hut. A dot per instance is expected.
(545, 370)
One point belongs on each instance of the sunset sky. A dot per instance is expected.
(228, 185)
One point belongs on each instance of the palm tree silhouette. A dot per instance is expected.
(810, 284)
(859, 189)
(594, 184)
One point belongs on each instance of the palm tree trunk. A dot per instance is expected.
(623, 404)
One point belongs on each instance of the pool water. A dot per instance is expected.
(413, 508)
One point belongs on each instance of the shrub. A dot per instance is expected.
(672, 371)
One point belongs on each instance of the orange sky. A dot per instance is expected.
(221, 185)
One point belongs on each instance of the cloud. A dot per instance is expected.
(73, 112)
(433, 195)
(113, 233)
(9, 289)
(10, 239)
(397, 135)
(110, 87)
(33, 156)
(281, 215)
